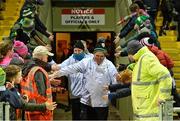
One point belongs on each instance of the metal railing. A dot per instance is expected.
(167, 110)
(4, 111)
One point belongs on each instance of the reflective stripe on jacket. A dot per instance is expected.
(29, 88)
(151, 81)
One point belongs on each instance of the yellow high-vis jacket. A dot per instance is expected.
(151, 82)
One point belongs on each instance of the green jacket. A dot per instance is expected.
(151, 82)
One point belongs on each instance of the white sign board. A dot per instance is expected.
(83, 17)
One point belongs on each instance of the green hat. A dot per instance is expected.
(2, 77)
(100, 48)
(141, 19)
(27, 24)
(28, 13)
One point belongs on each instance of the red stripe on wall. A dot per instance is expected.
(83, 11)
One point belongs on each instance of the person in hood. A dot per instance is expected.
(151, 82)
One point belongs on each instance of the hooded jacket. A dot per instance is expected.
(162, 56)
(151, 82)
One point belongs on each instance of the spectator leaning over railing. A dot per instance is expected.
(29, 10)
(17, 101)
(2, 8)
(177, 8)
(6, 53)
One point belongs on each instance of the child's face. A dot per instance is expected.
(18, 78)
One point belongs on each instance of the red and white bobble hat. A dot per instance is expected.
(145, 42)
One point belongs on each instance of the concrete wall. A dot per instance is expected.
(45, 15)
(109, 21)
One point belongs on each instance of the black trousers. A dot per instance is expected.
(93, 113)
(76, 108)
(178, 21)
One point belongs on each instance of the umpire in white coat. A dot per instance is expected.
(75, 81)
(97, 72)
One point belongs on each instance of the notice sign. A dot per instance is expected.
(83, 17)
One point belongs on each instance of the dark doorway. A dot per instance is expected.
(65, 41)
(84, 36)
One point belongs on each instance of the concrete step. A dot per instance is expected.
(158, 23)
(6, 22)
(177, 75)
(13, 1)
(177, 83)
(178, 45)
(176, 69)
(168, 45)
(167, 38)
(4, 33)
(5, 28)
(1, 38)
(168, 33)
(178, 90)
(171, 50)
(159, 18)
(175, 57)
(13, 8)
(10, 4)
(176, 63)
(12, 18)
(10, 13)
(1, 31)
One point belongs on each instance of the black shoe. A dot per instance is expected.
(178, 39)
(1, 18)
(172, 27)
(162, 32)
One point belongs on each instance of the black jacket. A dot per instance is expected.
(39, 26)
(177, 5)
(128, 27)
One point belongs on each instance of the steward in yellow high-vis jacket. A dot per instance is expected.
(151, 83)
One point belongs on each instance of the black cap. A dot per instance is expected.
(133, 47)
(79, 44)
(101, 40)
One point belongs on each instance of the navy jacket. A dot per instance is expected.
(123, 90)
(128, 27)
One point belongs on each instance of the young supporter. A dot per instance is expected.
(9, 78)
(6, 53)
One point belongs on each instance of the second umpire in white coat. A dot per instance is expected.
(97, 72)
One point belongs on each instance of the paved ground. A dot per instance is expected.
(60, 114)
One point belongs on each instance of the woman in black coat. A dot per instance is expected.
(166, 9)
(177, 8)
